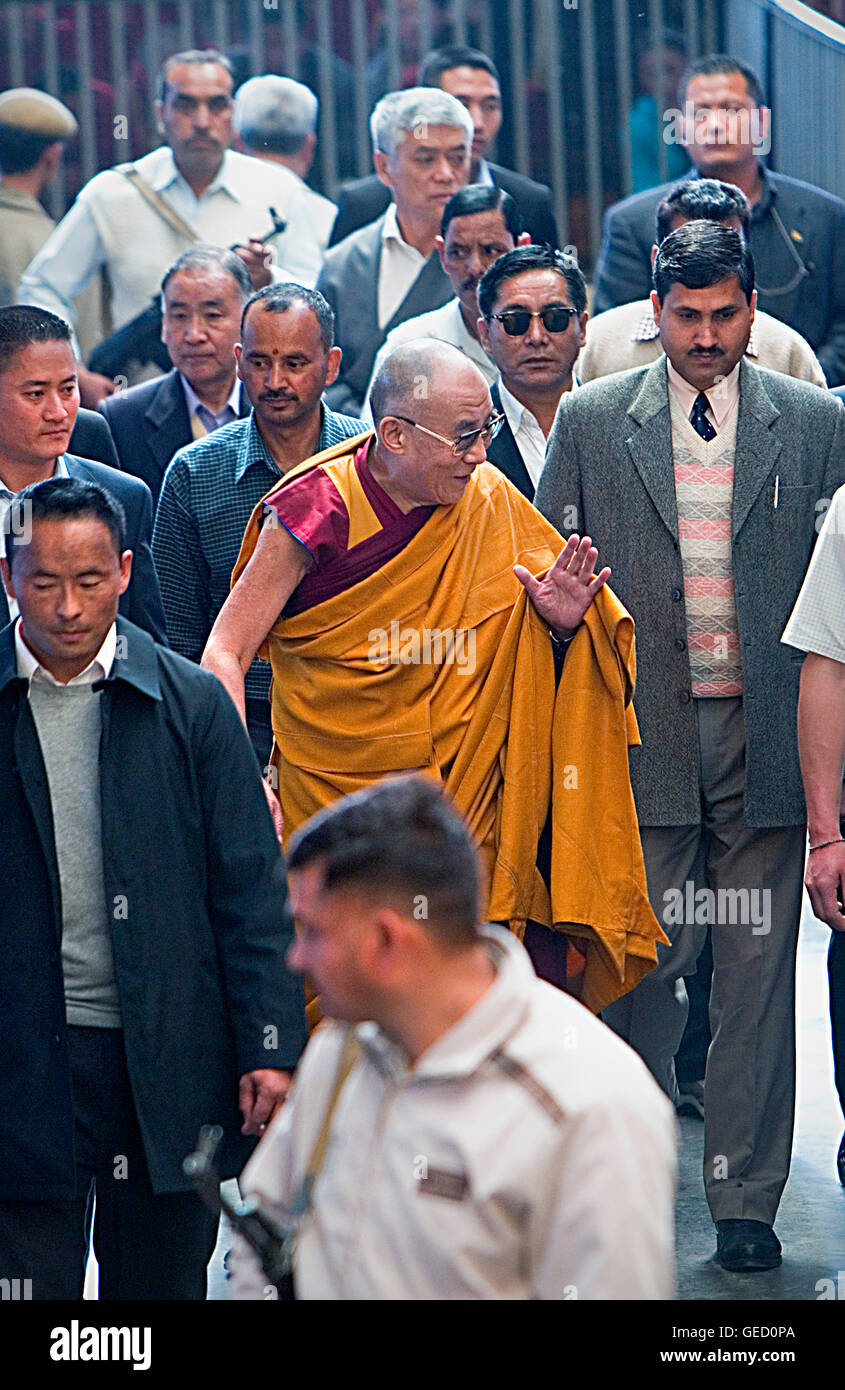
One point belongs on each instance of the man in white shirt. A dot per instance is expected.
(276, 119)
(479, 225)
(389, 270)
(223, 196)
(492, 1139)
(816, 627)
(533, 313)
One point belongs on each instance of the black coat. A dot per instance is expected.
(149, 422)
(141, 603)
(504, 452)
(195, 885)
(91, 438)
(813, 236)
(363, 200)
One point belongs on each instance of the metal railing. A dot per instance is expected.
(569, 73)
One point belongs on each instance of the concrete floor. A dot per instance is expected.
(811, 1221)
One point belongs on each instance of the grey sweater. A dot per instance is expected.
(69, 723)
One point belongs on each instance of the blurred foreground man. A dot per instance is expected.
(491, 1139)
(389, 589)
(143, 923)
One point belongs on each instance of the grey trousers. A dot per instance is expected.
(753, 883)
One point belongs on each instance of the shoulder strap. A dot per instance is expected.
(161, 206)
(350, 1053)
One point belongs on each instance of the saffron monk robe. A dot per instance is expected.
(408, 531)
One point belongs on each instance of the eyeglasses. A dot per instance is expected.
(555, 319)
(464, 442)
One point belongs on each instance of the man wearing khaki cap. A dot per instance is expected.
(33, 129)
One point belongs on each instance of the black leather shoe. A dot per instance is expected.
(745, 1246)
(840, 1162)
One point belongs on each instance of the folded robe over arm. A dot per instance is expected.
(355, 698)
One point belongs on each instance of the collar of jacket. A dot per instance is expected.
(135, 661)
(653, 395)
(482, 1030)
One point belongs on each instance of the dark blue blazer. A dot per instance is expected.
(91, 438)
(798, 240)
(149, 422)
(141, 603)
(504, 452)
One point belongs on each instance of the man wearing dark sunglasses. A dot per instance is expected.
(533, 307)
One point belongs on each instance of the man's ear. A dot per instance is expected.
(335, 355)
(159, 109)
(524, 239)
(7, 577)
(655, 307)
(441, 251)
(239, 348)
(382, 167)
(654, 250)
(125, 570)
(392, 433)
(484, 335)
(753, 304)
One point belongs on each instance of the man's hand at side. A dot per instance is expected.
(563, 597)
(260, 1095)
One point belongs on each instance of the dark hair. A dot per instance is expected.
(440, 60)
(401, 842)
(208, 257)
(702, 199)
(20, 150)
(480, 197)
(532, 257)
(275, 299)
(192, 56)
(699, 255)
(714, 63)
(61, 499)
(21, 325)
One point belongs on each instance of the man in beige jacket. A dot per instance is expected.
(627, 336)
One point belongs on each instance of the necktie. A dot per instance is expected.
(698, 418)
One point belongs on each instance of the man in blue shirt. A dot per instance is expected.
(286, 358)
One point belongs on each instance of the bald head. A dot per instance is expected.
(419, 371)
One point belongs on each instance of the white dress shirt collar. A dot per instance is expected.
(233, 404)
(721, 398)
(165, 172)
(30, 668)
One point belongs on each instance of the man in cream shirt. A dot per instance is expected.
(224, 196)
(492, 1139)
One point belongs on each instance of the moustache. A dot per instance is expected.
(278, 396)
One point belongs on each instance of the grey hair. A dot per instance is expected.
(412, 109)
(275, 114)
(402, 374)
(192, 57)
(208, 257)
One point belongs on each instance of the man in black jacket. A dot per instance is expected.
(143, 923)
(472, 78)
(797, 231)
(39, 397)
(203, 294)
(533, 307)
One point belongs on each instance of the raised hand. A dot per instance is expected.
(563, 597)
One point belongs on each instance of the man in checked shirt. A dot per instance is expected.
(286, 358)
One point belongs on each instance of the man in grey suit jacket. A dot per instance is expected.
(390, 271)
(797, 230)
(699, 478)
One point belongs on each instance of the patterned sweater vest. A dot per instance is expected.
(704, 474)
